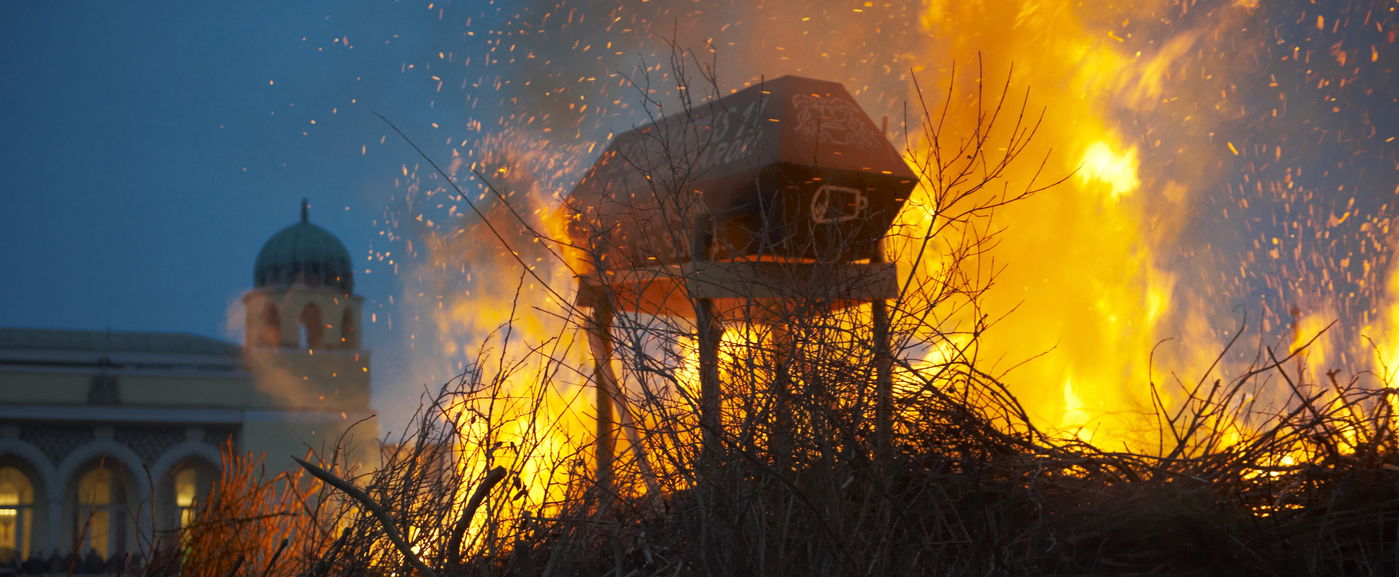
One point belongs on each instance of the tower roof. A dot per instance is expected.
(304, 253)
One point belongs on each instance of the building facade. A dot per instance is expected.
(108, 438)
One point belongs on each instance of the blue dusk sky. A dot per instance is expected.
(149, 148)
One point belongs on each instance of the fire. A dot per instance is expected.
(481, 278)
(1096, 266)
(1193, 196)
(1117, 170)
(1076, 416)
(1084, 269)
(1386, 352)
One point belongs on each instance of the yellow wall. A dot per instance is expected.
(281, 440)
(27, 387)
(31, 387)
(185, 391)
(310, 379)
(304, 385)
(294, 379)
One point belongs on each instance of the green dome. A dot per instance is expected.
(304, 253)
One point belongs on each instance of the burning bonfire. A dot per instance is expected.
(766, 334)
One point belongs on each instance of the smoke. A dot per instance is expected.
(1235, 158)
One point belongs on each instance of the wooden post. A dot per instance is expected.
(883, 364)
(883, 373)
(780, 426)
(709, 333)
(610, 396)
(600, 339)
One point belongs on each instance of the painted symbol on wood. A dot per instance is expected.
(833, 204)
(835, 120)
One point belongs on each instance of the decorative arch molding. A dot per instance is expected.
(339, 316)
(178, 453)
(312, 322)
(339, 322)
(349, 329)
(32, 457)
(87, 453)
(269, 327)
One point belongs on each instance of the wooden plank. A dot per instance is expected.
(784, 280)
(668, 290)
(658, 291)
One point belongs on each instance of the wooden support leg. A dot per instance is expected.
(600, 342)
(709, 333)
(883, 371)
(600, 339)
(780, 427)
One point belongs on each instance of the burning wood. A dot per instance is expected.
(1092, 463)
(788, 168)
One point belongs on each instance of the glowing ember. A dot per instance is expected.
(1230, 159)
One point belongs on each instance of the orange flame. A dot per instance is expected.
(1090, 277)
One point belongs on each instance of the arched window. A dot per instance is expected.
(189, 486)
(312, 327)
(186, 495)
(16, 514)
(101, 521)
(269, 331)
(348, 338)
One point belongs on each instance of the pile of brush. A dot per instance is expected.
(972, 488)
(835, 457)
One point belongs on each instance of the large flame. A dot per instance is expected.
(1084, 277)
(1221, 164)
(1142, 101)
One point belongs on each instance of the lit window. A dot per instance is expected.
(101, 521)
(186, 489)
(16, 514)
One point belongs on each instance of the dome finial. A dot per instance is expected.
(302, 253)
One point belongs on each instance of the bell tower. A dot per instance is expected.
(303, 342)
(303, 291)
